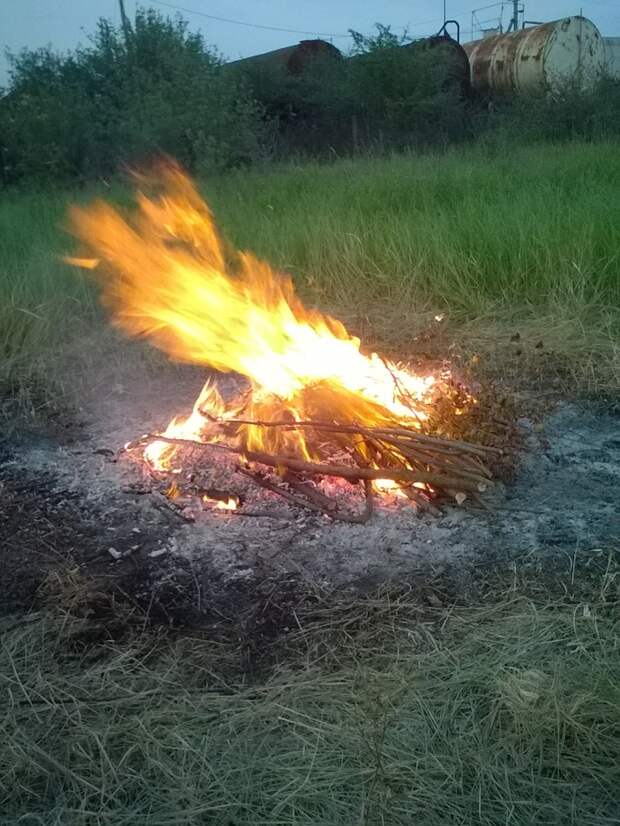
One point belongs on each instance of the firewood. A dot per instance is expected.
(404, 455)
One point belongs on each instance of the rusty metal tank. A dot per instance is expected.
(293, 59)
(450, 57)
(538, 59)
(612, 56)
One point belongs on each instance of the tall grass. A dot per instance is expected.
(379, 711)
(463, 229)
(528, 239)
(44, 307)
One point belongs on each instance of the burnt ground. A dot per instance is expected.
(72, 513)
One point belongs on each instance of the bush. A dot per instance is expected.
(119, 100)
(158, 88)
(388, 94)
(569, 113)
(405, 92)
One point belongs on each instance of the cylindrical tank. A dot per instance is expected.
(612, 56)
(450, 57)
(538, 59)
(293, 59)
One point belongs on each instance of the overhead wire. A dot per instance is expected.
(266, 27)
(249, 25)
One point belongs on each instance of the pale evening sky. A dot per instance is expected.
(63, 24)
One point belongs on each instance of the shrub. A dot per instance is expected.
(570, 112)
(122, 99)
(387, 94)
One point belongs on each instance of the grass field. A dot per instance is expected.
(524, 242)
(372, 710)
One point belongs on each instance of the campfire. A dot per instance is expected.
(317, 421)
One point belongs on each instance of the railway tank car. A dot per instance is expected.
(447, 55)
(612, 56)
(538, 59)
(450, 58)
(292, 59)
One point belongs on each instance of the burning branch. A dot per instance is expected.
(407, 457)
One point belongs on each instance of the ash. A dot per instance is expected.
(564, 496)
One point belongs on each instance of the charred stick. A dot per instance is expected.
(345, 472)
(290, 497)
(261, 514)
(304, 502)
(308, 490)
(421, 501)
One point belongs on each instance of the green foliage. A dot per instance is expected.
(384, 39)
(159, 88)
(569, 113)
(82, 114)
(309, 108)
(406, 94)
(388, 94)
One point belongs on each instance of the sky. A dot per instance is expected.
(64, 24)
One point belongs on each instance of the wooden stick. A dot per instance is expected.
(343, 471)
(304, 502)
(413, 435)
(463, 468)
(418, 498)
(290, 497)
(308, 490)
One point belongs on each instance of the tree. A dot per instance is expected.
(126, 96)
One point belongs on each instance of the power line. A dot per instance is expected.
(452, 16)
(290, 31)
(295, 31)
(243, 23)
(434, 20)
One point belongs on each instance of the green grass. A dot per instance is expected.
(462, 229)
(373, 710)
(525, 241)
(44, 308)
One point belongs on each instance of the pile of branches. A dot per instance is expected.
(426, 468)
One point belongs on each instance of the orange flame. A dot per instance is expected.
(166, 274)
(230, 504)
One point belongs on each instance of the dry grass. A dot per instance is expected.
(367, 710)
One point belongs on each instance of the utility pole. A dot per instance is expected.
(125, 24)
(514, 23)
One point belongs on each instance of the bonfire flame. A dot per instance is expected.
(166, 274)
